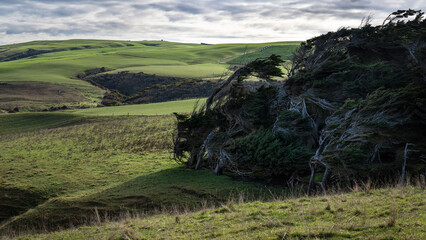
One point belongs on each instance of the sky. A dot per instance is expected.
(191, 21)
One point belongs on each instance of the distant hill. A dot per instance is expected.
(27, 69)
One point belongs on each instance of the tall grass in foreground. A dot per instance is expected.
(392, 212)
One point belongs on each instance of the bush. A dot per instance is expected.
(271, 155)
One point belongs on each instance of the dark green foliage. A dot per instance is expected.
(410, 98)
(252, 106)
(113, 98)
(207, 118)
(354, 78)
(149, 88)
(257, 104)
(130, 83)
(354, 157)
(289, 115)
(266, 68)
(192, 130)
(294, 121)
(270, 155)
(180, 89)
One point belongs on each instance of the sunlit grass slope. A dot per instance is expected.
(82, 156)
(204, 70)
(284, 50)
(163, 108)
(391, 213)
(65, 64)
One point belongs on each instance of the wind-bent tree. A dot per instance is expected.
(353, 103)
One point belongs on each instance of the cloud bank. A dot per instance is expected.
(211, 21)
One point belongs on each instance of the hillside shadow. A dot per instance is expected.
(171, 190)
(173, 187)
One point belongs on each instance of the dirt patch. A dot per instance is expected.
(19, 94)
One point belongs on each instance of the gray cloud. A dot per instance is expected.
(68, 11)
(186, 21)
(171, 7)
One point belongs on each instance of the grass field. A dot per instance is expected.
(22, 122)
(65, 170)
(88, 172)
(155, 57)
(285, 51)
(57, 176)
(206, 70)
(390, 213)
(163, 108)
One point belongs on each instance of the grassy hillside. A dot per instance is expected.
(162, 108)
(109, 170)
(204, 70)
(285, 51)
(19, 122)
(391, 213)
(55, 178)
(22, 122)
(57, 63)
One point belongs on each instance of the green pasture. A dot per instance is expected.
(205, 70)
(110, 165)
(285, 51)
(162, 108)
(20, 122)
(390, 213)
(154, 57)
(76, 157)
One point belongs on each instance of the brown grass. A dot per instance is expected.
(14, 94)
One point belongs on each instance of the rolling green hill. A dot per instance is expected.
(335, 150)
(62, 175)
(285, 51)
(162, 108)
(23, 122)
(30, 68)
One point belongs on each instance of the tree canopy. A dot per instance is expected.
(353, 106)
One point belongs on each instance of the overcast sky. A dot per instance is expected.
(209, 21)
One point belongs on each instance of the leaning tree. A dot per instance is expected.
(351, 107)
